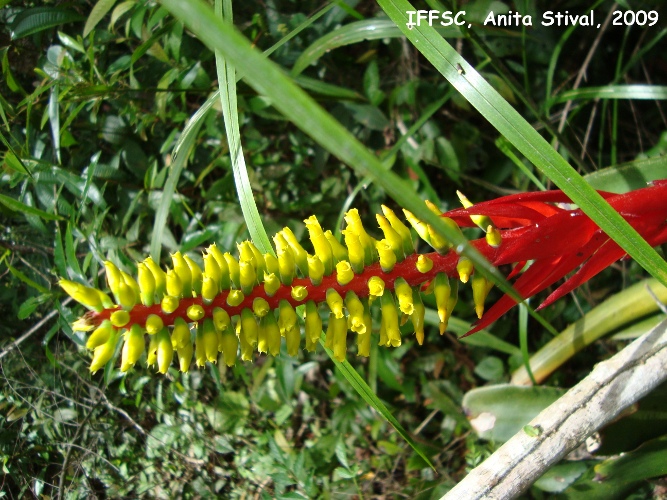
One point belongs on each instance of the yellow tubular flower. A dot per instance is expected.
(120, 318)
(321, 245)
(146, 284)
(299, 293)
(313, 323)
(315, 269)
(89, 297)
(292, 341)
(222, 264)
(154, 324)
(126, 295)
(249, 328)
(364, 339)
(464, 268)
(300, 255)
(209, 289)
(453, 298)
(271, 264)
(375, 287)
(211, 271)
(246, 347)
(234, 270)
(169, 304)
(287, 318)
(248, 276)
(260, 263)
(272, 334)
(287, 265)
(165, 351)
(390, 319)
(339, 338)
(196, 273)
(101, 334)
(271, 284)
(344, 273)
(404, 295)
(419, 226)
(174, 284)
(355, 309)
(442, 291)
(235, 298)
(401, 229)
(113, 277)
(335, 303)
(230, 347)
(151, 354)
(387, 256)
(493, 237)
(355, 250)
(417, 318)
(180, 336)
(480, 290)
(210, 340)
(221, 319)
(367, 243)
(339, 251)
(424, 264)
(159, 276)
(392, 237)
(133, 347)
(195, 312)
(482, 221)
(184, 357)
(329, 335)
(260, 307)
(103, 353)
(439, 243)
(245, 253)
(182, 269)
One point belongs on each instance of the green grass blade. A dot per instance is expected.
(643, 92)
(524, 137)
(629, 176)
(17, 206)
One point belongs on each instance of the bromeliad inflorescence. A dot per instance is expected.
(248, 304)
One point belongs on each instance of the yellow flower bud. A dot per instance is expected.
(320, 243)
(300, 255)
(299, 293)
(230, 347)
(246, 347)
(404, 295)
(315, 269)
(113, 277)
(387, 256)
(235, 298)
(209, 290)
(245, 253)
(424, 264)
(355, 250)
(392, 237)
(464, 268)
(211, 271)
(493, 237)
(133, 347)
(248, 276)
(292, 341)
(169, 304)
(180, 336)
(159, 276)
(367, 243)
(271, 284)
(433, 208)
(165, 351)
(101, 334)
(196, 274)
(335, 303)
(417, 318)
(364, 339)
(329, 334)
(221, 319)
(339, 330)
(174, 284)
(126, 296)
(119, 318)
(132, 283)
(85, 295)
(344, 273)
(438, 242)
(442, 291)
(482, 221)
(183, 271)
(151, 354)
(401, 229)
(339, 251)
(390, 319)
(287, 318)
(313, 324)
(269, 337)
(249, 328)
(154, 324)
(375, 287)
(271, 262)
(355, 309)
(195, 312)
(210, 339)
(260, 262)
(146, 284)
(419, 226)
(234, 270)
(480, 290)
(184, 357)
(222, 264)
(103, 353)
(260, 307)
(286, 265)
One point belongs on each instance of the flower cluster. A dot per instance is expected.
(247, 304)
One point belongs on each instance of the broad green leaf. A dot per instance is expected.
(99, 11)
(17, 206)
(38, 19)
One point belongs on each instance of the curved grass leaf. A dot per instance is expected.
(644, 92)
(17, 206)
(38, 19)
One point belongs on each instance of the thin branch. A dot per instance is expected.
(612, 386)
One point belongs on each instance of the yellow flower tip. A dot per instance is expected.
(335, 303)
(404, 295)
(133, 347)
(209, 338)
(300, 255)
(119, 318)
(287, 265)
(271, 284)
(419, 226)
(271, 264)
(424, 264)
(270, 333)
(100, 335)
(151, 354)
(104, 352)
(464, 267)
(113, 276)
(85, 295)
(233, 267)
(154, 324)
(390, 320)
(355, 225)
(195, 312)
(230, 347)
(433, 207)
(169, 304)
(235, 298)
(82, 325)
(195, 272)
(313, 322)
(355, 308)
(299, 293)
(211, 271)
(339, 251)
(463, 199)
(387, 255)
(339, 331)
(126, 296)
(375, 286)
(480, 290)
(439, 243)
(287, 318)
(321, 245)
(221, 319)
(184, 354)
(165, 351)
(493, 237)
(220, 259)
(247, 275)
(315, 269)
(180, 336)
(174, 284)
(417, 319)
(183, 271)
(209, 289)
(392, 237)
(355, 250)
(401, 229)
(442, 291)
(249, 327)
(146, 284)
(261, 307)
(344, 273)
(159, 276)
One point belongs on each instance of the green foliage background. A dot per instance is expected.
(94, 99)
